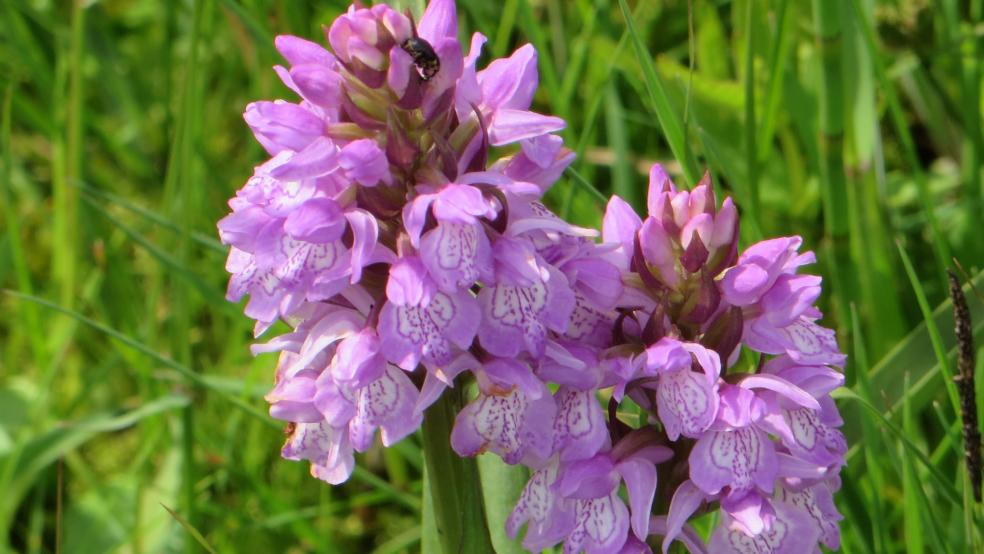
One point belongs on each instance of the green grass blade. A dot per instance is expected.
(777, 69)
(622, 174)
(195, 533)
(938, 242)
(911, 507)
(943, 484)
(48, 446)
(915, 353)
(211, 295)
(934, 332)
(185, 371)
(91, 194)
(588, 187)
(665, 113)
(502, 485)
(875, 447)
(22, 274)
(751, 151)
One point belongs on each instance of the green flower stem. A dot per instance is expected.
(455, 488)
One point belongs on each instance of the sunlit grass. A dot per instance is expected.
(855, 124)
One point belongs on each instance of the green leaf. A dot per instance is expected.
(502, 485)
(22, 467)
(195, 533)
(455, 488)
(665, 112)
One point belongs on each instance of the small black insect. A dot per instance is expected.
(424, 57)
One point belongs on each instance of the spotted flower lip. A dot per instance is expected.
(409, 252)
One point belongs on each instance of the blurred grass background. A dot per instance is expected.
(130, 388)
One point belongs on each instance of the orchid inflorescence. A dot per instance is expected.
(407, 259)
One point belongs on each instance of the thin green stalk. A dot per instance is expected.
(934, 333)
(534, 30)
(618, 141)
(179, 190)
(454, 485)
(751, 153)
(22, 274)
(876, 446)
(506, 25)
(941, 249)
(580, 180)
(777, 70)
(829, 39)
(502, 484)
(968, 61)
(910, 508)
(665, 112)
(67, 156)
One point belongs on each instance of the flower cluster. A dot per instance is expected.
(397, 229)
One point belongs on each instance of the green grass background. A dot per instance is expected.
(130, 388)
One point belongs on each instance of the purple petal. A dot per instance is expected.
(461, 204)
(299, 51)
(601, 526)
(508, 425)
(437, 96)
(686, 499)
(318, 158)
(510, 373)
(241, 227)
(640, 481)
(510, 82)
(327, 449)
(791, 532)
(318, 84)
(409, 284)
(317, 220)
(365, 233)
(358, 361)
(415, 216)
(686, 403)
(540, 162)
(456, 255)
(579, 430)
(589, 325)
(282, 126)
(412, 333)
(659, 183)
(596, 279)
(817, 503)
(620, 225)
(549, 519)
(739, 407)
(591, 478)
(387, 402)
(742, 459)
(440, 20)
(293, 400)
(542, 151)
(467, 91)
(667, 356)
(364, 162)
(782, 387)
(790, 297)
(517, 262)
(400, 68)
(508, 126)
(743, 285)
(812, 344)
(440, 378)
(518, 318)
(749, 512)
